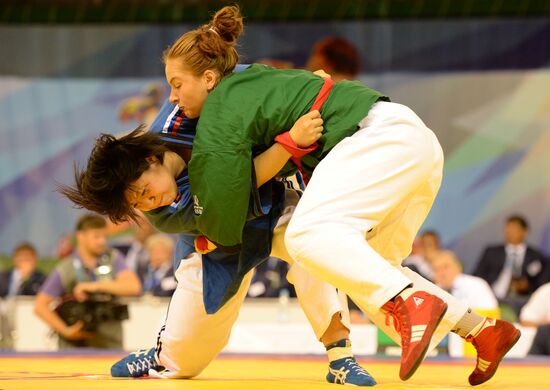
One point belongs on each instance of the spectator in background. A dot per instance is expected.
(23, 278)
(536, 312)
(158, 279)
(425, 247)
(91, 269)
(513, 269)
(430, 244)
(270, 279)
(135, 254)
(472, 290)
(336, 56)
(541, 342)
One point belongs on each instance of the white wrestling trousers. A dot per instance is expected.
(191, 339)
(363, 207)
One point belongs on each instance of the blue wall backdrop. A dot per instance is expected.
(482, 85)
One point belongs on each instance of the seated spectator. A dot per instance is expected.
(336, 56)
(23, 278)
(472, 290)
(417, 262)
(513, 269)
(430, 244)
(134, 251)
(269, 280)
(425, 247)
(158, 278)
(94, 276)
(536, 312)
(541, 342)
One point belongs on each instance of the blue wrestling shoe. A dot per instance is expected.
(136, 364)
(347, 371)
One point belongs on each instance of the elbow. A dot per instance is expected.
(137, 289)
(37, 309)
(128, 285)
(529, 324)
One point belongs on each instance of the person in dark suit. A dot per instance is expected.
(23, 278)
(514, 269)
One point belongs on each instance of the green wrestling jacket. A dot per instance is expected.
(240, 118)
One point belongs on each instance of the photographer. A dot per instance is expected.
(87, 283)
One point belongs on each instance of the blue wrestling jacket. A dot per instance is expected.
(222, 272)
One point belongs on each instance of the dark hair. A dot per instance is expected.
(24, 246)
(432, 233)
(113, 166)
(90, 221)
(211, 46)
(520, 220)
(340, 54)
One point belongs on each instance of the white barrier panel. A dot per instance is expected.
(264, 326)
(30, 333)
(146, 317)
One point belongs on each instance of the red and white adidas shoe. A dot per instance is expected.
(415, 319)
(491, 344)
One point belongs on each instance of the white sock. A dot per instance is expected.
(407, 292)
(480, 327)
(338, 350)
(471, 324)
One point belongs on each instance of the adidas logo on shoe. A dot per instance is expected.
(483, 365)
(418, 301)
(417, 332)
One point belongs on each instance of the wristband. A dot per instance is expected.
(286, 141)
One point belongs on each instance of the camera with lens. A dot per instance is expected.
(92, 312)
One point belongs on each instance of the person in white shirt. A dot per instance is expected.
(537, 313)
(537, 310)
(472, 290)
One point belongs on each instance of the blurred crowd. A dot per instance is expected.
(100, 262)
(103, 262)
